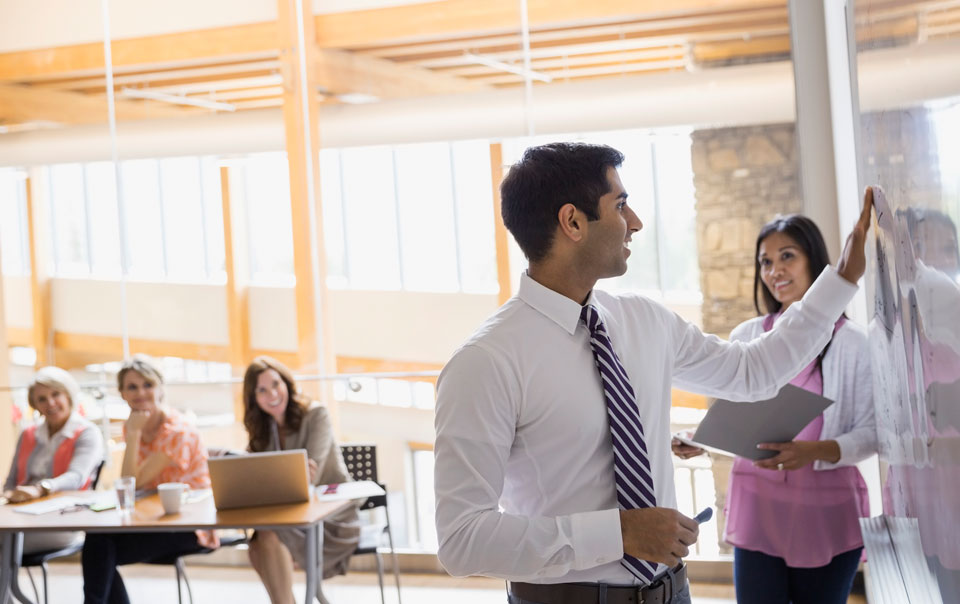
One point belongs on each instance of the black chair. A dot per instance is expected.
(361, 461)
(176, 560)
(41, 558)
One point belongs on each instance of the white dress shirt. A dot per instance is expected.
(524, 466)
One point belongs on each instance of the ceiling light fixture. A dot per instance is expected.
(535, 75)
(152, 95)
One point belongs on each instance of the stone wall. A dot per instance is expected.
(744, 176)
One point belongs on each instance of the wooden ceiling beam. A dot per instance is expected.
(666, 52)
(237, 40)
(553, 37)
(562, 75)
(148, 77)
(619, 45)
(338, 72)
(464, 18)
(20, 103)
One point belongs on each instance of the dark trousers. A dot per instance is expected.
(763, 579)
(104, 552)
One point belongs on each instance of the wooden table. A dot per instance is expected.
(148, 516)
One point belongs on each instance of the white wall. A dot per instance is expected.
(161, 311)
(403, 326)
(412, 326)
(273, 318)
(16, 301)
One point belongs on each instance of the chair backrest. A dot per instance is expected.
(96, 475)
(361, 462)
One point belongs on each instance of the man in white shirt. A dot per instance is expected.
(524, 473)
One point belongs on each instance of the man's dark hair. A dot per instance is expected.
(544, 180)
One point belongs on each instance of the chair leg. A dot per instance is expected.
(186, 579)
(178, 567)
(393, 560)
(36, 594)
(383, 597)
(46, 587)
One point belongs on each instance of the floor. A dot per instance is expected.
(155, 584)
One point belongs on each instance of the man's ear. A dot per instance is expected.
(572, 222)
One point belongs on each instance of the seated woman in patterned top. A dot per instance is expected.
(160, 447)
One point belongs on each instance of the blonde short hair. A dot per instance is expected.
(57, 379)
(143, 365)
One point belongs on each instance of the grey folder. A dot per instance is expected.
(737, 428)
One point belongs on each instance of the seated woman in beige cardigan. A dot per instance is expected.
(278, 417)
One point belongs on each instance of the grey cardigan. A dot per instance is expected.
(847, 380)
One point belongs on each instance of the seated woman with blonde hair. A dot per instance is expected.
(160, 447)
(61, 453)
(277, 417)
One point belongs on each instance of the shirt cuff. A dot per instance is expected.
(830, 294)
(597, 538)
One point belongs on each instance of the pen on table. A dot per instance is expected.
(704, 516)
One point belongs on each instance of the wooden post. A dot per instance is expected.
(7, 435)
(499, 230)
(301, 127)
(238, 306)
(39, 227)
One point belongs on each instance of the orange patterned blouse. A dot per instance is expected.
(180, 441)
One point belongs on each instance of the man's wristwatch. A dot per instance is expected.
(46, 486)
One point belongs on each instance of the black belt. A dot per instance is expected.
(660, 591)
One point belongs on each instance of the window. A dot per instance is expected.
(171, 218)
(412, 217)
(370, 218)
(658, 176)
(424, 500)
(426, 202)
(68, 219)
(14, 237)
(104, 225)
(140, 183)
(419, 393)
(266, 182)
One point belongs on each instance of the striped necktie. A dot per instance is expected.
(631, 463)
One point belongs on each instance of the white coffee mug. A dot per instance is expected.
(172, 495)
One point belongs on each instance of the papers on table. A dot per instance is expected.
(348, 490)
(103, 499)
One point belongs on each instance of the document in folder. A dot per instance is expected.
(737, 428)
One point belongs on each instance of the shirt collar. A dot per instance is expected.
(558, 308)
(43, 435)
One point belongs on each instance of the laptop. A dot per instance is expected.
(253, 479)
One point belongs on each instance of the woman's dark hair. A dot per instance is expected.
(544, 180)
(805, 233)
(259, 423)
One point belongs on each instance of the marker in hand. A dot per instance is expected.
(704, 516)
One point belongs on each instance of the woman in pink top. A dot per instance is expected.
(793, 518)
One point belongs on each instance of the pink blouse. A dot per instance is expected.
(804, 516)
